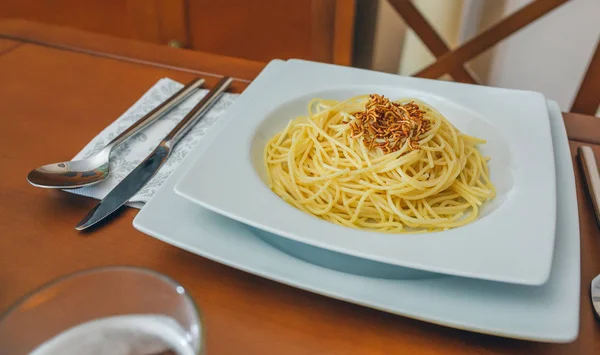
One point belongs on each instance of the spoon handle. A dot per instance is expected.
(591, 177)
(157, 112)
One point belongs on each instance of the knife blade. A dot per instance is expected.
(135, 180)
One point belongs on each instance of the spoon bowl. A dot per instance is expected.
(92, 170)
(72, 174)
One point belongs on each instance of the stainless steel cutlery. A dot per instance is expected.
(133, 182)
(92, 170)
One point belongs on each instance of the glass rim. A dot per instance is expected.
(75, 274)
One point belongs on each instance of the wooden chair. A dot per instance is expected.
(452, 61)
(587, 100)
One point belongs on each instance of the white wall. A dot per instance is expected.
(389, 38)
(551, 54)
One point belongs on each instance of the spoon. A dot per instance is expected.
(92, 170)
(592, 180)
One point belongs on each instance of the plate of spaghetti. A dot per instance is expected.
(427, 175)
(372, 163)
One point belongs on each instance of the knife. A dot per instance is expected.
(591, 179)
(133, 182)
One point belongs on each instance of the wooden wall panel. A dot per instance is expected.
(102, 16)
(263, 30)
(155, 21)
(320, 30)
(343, 33)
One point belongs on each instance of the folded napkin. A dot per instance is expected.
(129, 154)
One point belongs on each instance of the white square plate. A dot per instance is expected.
(511, 241)
(548, 313)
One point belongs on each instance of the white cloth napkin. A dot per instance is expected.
(129, 154)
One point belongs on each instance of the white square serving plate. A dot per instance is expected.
(511, 241)
(548, 313)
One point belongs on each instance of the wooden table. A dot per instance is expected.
(58, 88)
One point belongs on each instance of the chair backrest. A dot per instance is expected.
(587, 100)
(452, 61)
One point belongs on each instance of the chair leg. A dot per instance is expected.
(587, 100)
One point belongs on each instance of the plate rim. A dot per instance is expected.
(484, 263)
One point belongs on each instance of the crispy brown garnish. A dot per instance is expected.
(388, 125)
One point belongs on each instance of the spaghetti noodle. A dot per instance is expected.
(371, 163)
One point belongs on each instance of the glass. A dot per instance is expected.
(112, 310)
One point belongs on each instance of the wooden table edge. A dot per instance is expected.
(195, 62)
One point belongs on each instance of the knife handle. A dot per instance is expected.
(197, 112)
(157, 112)
(591, 177)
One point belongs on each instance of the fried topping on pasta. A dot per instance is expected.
(388, 125)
